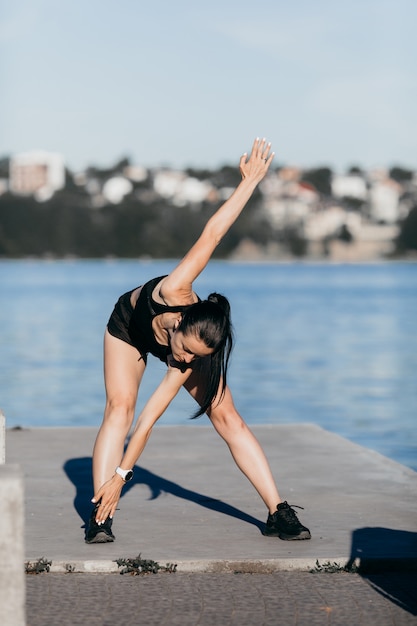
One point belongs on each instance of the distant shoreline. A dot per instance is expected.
(267, 260)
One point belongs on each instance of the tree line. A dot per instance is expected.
(63, 227)
(69, 225)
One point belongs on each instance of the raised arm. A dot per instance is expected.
(253, 169)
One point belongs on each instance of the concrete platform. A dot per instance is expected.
(188, 503)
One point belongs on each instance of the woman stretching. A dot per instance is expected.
(193, 337)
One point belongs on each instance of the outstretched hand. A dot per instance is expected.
(256, 165)
(108, 496)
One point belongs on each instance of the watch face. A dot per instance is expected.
(129, 475)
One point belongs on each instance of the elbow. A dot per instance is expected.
(148, 433)
(142, 433)
(214, 235)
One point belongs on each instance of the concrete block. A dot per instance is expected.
(12, 553)
(2, 438)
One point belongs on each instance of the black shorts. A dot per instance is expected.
(119, 322)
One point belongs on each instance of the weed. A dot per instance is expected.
(333, 568)
(38, 567)
(138, 566)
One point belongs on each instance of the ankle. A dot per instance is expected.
(274, 508)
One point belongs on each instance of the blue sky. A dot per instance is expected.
(188, 83)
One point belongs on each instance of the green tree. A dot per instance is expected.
(355, 170)
(320, 178)
(400, 174)
(407, 237)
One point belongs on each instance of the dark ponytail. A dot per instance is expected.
(209, 320)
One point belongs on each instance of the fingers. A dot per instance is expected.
(257, 145)
(269, 158)
(105, 510)
(264, 149)
(256, 166)
(261, 150)
(105, 504)
(97, 496)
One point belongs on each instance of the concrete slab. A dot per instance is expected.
(12, 587)
(189, 504)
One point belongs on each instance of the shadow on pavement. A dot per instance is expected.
(79, 471)
(388, 561)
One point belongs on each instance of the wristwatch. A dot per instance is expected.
(125, 474)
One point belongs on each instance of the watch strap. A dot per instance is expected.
(124, 474)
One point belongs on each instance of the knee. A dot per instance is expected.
(226, 420)
(119, 412)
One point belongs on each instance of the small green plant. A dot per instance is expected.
(139, 566)
(332, 568)
(38, 567)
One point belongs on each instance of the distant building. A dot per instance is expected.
(349, 186)
(286, 201)
(179, 188)
(137, 173)
(37, 173)
(329, 222)
(116, 188)
(385, 201)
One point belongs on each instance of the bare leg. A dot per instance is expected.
(244, 447)
(123, 373)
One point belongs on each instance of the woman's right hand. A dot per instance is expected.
(256, 166)
(108, 497)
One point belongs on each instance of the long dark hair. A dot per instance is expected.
(209, 320)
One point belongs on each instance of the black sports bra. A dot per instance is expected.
(140, 327)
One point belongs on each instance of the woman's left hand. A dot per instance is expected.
(256, 165)
(108, 496)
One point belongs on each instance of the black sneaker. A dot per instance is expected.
(99, 533)
(285, 524)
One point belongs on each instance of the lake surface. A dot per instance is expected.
(335, 345)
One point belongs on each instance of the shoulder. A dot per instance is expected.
(170, 293)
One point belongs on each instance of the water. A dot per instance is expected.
(335, 345)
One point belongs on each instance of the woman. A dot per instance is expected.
(194, 338)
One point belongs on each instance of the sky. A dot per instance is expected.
(191, 84)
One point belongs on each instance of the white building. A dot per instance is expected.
(137, 173)
(288, 203)
(349, 186)
(179, 188)
(116, 188)
(37, 173)
(327, 223)
(384, 199)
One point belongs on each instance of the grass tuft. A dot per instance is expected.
(38, 567)
(333, 568)
(139, 566)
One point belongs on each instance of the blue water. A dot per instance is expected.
(335, 345)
